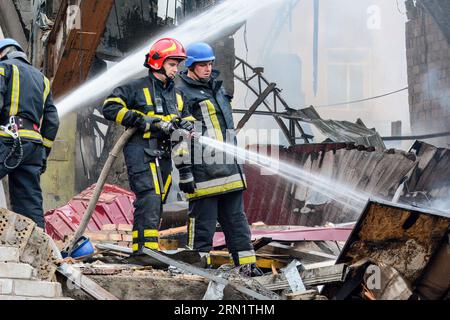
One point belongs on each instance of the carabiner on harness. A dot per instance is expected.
(12, 130)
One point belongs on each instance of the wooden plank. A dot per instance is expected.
(172, 231)
(303, 255)
(71, 66)
(269, 263)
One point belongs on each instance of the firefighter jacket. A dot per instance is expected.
(144, 97)
(25, 93)
(214, 173)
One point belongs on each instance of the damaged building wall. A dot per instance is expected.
(428, 58)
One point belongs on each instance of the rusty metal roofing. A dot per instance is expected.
(276, 201)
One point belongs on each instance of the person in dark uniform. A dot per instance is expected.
(29, 124)
(214, 189)
(152, 105)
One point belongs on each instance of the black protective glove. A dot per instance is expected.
(187, 183)
(44, 165)
(146, 123)
(44, 159)
(186, 125)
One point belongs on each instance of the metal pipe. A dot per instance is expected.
(99, 186)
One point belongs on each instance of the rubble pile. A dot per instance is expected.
(28, 260)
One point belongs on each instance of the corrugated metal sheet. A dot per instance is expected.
(115, 205)
(276, 201)
(429, 183)
(342, 131)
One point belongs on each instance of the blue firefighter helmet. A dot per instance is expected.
(10, 42)
(199, 52)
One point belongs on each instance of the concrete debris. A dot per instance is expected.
(363, 265)
(28, 261)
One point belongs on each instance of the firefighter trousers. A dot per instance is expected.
(25, 192)
(150, 180)
(228, 210)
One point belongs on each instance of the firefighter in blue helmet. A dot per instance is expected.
(214, 188)
(29, 124)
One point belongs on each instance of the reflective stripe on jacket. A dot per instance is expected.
(208, 103)
(25, 92)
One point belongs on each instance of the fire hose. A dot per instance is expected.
(118, 147)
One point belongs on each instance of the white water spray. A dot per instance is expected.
(209, 25)
(339, 192)
(352, 199)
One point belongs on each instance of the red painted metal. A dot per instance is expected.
(295, 234)
(115, 205)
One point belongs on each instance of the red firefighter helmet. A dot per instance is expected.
(163, 49)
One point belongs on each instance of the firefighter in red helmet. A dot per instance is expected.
(151, 104)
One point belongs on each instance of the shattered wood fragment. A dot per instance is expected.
(274, 270)
(261, 242)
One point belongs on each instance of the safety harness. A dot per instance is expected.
(12, 130)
